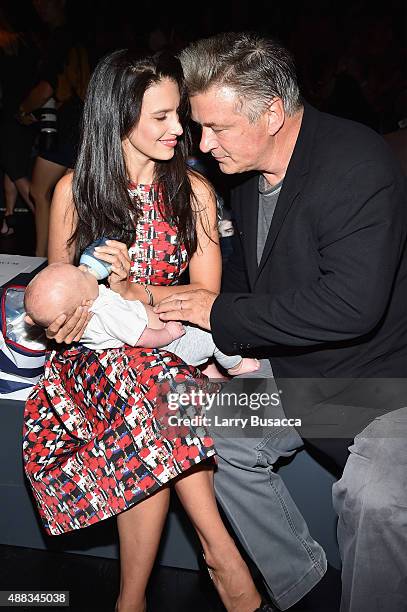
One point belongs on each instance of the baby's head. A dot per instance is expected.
(58, 289)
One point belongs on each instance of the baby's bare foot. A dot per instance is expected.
(245, 366)
(211, 371)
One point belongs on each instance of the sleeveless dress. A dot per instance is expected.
(97, 437)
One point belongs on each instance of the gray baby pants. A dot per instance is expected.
(197, 346)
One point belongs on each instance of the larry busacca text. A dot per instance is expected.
(206, 401)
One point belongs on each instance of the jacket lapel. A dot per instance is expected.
(285, 200)
(249, 211)
(293, 182)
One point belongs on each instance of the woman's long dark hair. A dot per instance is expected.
(112, 109)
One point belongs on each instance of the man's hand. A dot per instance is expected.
(193, 306)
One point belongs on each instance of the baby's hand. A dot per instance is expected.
(154, 321)
(175, 329)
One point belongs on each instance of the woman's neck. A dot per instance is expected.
(140, 169)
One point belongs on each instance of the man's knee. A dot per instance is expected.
(254, 453)
(367, 503)
(236, 452)
(372, 486)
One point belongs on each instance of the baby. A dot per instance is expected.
(60, 289)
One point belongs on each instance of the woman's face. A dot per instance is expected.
(155, 136)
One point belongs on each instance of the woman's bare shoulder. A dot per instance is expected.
(62, 199)
(64, 185)
(201, 187)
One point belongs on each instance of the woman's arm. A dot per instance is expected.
(205, 266)
(62, 222)
(36, 98)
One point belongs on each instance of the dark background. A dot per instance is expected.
(350, 55)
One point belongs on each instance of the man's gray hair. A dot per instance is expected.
(257, 69)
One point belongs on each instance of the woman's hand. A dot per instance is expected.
(26, 118)
(116, 253)
(70, 329)
(66, 328)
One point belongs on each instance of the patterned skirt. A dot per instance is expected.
(97, 438)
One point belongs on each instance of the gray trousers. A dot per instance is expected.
(371, 502)
(370, 499)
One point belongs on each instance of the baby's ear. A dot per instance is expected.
(28, 320)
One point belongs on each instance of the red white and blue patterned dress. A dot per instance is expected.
(95, 437)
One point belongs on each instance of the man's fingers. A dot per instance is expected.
(193, 306)
(170, 298)
(174, 306)
(174, 315)
(179, 301)
(184, 295)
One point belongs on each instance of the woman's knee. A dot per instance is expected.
(40, 192)
(36, 193)
(44, 178)
(10, 189)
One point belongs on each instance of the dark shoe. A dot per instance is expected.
(266, 607)
(7, 225)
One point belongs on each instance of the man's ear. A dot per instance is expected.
(276, 116)
(28, 320)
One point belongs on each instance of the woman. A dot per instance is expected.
(18, 58)
(112, 454)
(51, 164)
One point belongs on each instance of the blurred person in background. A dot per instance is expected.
(18, 59)
(61, 84)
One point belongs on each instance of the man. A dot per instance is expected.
(317, 285)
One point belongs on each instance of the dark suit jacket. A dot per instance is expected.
(329, 298)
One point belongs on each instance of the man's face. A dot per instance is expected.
(228, 135)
